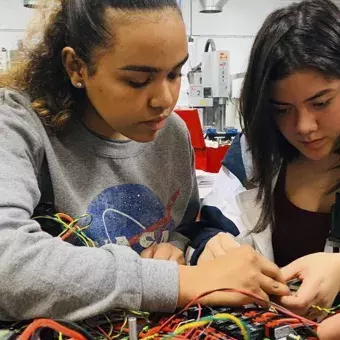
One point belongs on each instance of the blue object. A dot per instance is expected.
(228, 133)
(231, 131)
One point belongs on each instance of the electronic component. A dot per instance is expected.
(250, 322)
(133, 335)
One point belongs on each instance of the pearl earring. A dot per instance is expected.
(79, 85)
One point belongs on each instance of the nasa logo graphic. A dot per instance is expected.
(131, 215)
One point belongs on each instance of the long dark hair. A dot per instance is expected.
(81, 25)
(304, 35)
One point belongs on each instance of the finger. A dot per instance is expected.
(148, 252)
(207, 255)
(329, 329)
(227, 242)
(270, 269)
(178, 257)
(291, 271)
(302, 300)
(163, 252)
(264, 302)
(215, 247)
(272, 287)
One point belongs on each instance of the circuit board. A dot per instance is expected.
(198, 322)
(259, 324)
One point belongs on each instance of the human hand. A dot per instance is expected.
(329, 329)
(320, 276)
(217, 246)
(240, 268)
(163, 251)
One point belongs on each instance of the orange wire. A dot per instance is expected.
(257, 297)
(68, 219)
(157, 329)
(41, 323)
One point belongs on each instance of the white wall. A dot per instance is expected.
(14, 18)
(233, 30)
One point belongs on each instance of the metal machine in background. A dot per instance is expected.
(210, 86)
(212, 6)
(31, 3)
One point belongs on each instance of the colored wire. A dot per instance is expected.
(46, 323)
(150, 337)
(157, 330)
(71, 227)
(76, 328)
(104, 333)
(121, 329)
(111, 327)
(257, 297)
(326, 310)
(145, 315)
(61, 217)
(206, 320)
(188, 336)
(203, 330)
(288, 312)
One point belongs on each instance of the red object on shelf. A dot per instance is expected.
(215, 157)
(192, 120)
(206, 159)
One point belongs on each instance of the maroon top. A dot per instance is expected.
(297, 232)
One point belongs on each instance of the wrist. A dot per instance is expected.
(187, 287)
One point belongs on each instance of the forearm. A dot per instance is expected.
(58, 280)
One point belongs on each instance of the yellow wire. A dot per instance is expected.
(111, 325)
(221, 316)
(327, 310)
(60, 336)
(87, 241)
(150, 337)
(139, 313)
(195, 324)
(121, 329)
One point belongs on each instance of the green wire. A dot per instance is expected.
(79, 233)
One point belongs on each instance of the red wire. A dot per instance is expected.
(40, 323)
(257, 297)
(231, 290)
(68, 219)
(187, 336)
(104, 333)
(289, 313)
(279, 322)
(161, 327)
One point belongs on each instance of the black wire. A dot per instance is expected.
(76, 328)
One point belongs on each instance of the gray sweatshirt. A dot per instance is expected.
(136, 194)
